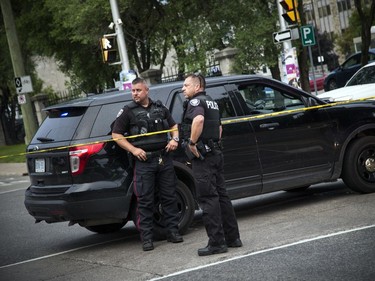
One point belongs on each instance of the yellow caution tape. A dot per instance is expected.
(224, 122)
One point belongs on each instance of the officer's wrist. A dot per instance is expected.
(192, 143)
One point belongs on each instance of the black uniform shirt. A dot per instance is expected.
(194, 108)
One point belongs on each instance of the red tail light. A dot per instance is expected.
(80, 154)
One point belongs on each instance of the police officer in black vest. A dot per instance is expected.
(152, 162)
(201, 130)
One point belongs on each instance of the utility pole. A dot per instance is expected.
(120, 36)
(29, 119)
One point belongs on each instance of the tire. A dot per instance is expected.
(186, 210)
(106, 228)
(332, 84)
(359, 165)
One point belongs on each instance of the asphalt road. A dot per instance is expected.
(325, 233)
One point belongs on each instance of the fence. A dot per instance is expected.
(171, 74)
(62, 96)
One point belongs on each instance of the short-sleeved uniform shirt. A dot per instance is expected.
(194, 108)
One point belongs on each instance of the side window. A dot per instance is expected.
(261, 99)
(352, 61)
(105, 118)
(176, 107)
(220, 95)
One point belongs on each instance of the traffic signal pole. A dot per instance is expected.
(120, 36)
(286, 44)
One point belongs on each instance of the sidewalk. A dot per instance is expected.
(13, 169)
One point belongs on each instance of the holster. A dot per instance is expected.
(131, 159)
(189, 154)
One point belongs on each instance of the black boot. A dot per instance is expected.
(211, 250)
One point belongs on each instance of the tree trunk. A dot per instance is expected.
(366, 22)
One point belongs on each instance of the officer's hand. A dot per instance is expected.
(140, 154)
(172, 145)
(194, 150)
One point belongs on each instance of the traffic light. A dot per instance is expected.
(291, 8)
(109, 50)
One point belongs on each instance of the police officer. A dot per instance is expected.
(201, 130)
(152, 162)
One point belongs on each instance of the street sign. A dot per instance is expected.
(23, 84)
(308, 37)
(282, 36)
(21, 99)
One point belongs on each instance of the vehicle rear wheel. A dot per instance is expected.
(332, 84)
(186, 210)
(359, 165)
(106, 228)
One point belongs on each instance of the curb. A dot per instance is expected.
(13, 169)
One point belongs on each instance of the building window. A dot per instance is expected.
(343, 5)
(324, 11)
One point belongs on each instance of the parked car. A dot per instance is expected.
(339, 77)
(276, 137)
(360, 86)
(319, 78)
(365, 75)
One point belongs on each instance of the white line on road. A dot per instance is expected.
(12, 190)
(265, 251)
(61, 253)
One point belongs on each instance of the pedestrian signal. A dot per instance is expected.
(109, 50)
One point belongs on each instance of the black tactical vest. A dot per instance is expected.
(211, 126)
(148, 120)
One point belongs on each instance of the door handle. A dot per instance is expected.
(298, 115)
(269, 126)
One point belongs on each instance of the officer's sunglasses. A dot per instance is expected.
(202, 81)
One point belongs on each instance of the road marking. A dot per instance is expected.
(61, 253)
(265, 251)
(4, 192)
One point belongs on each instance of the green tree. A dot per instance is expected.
(254, 22)
(366, 14)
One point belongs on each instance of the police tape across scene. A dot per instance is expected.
(224, 122)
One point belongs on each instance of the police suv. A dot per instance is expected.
(276, 137)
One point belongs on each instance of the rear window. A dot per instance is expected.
(60, 124)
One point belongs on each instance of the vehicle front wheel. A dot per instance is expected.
(359, 165)
(332, 84)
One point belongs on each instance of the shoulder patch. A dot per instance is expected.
(120, 112)
(195, 102)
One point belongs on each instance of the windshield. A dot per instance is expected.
(364, 76)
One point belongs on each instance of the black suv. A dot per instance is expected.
(276, 137)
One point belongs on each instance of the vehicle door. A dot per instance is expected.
(347, 69)
(296, 146)
(242, 167)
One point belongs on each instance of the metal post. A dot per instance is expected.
(286, 44)
(313, 71)
(120, 36)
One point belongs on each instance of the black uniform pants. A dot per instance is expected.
(149, 175)
(218, 214)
